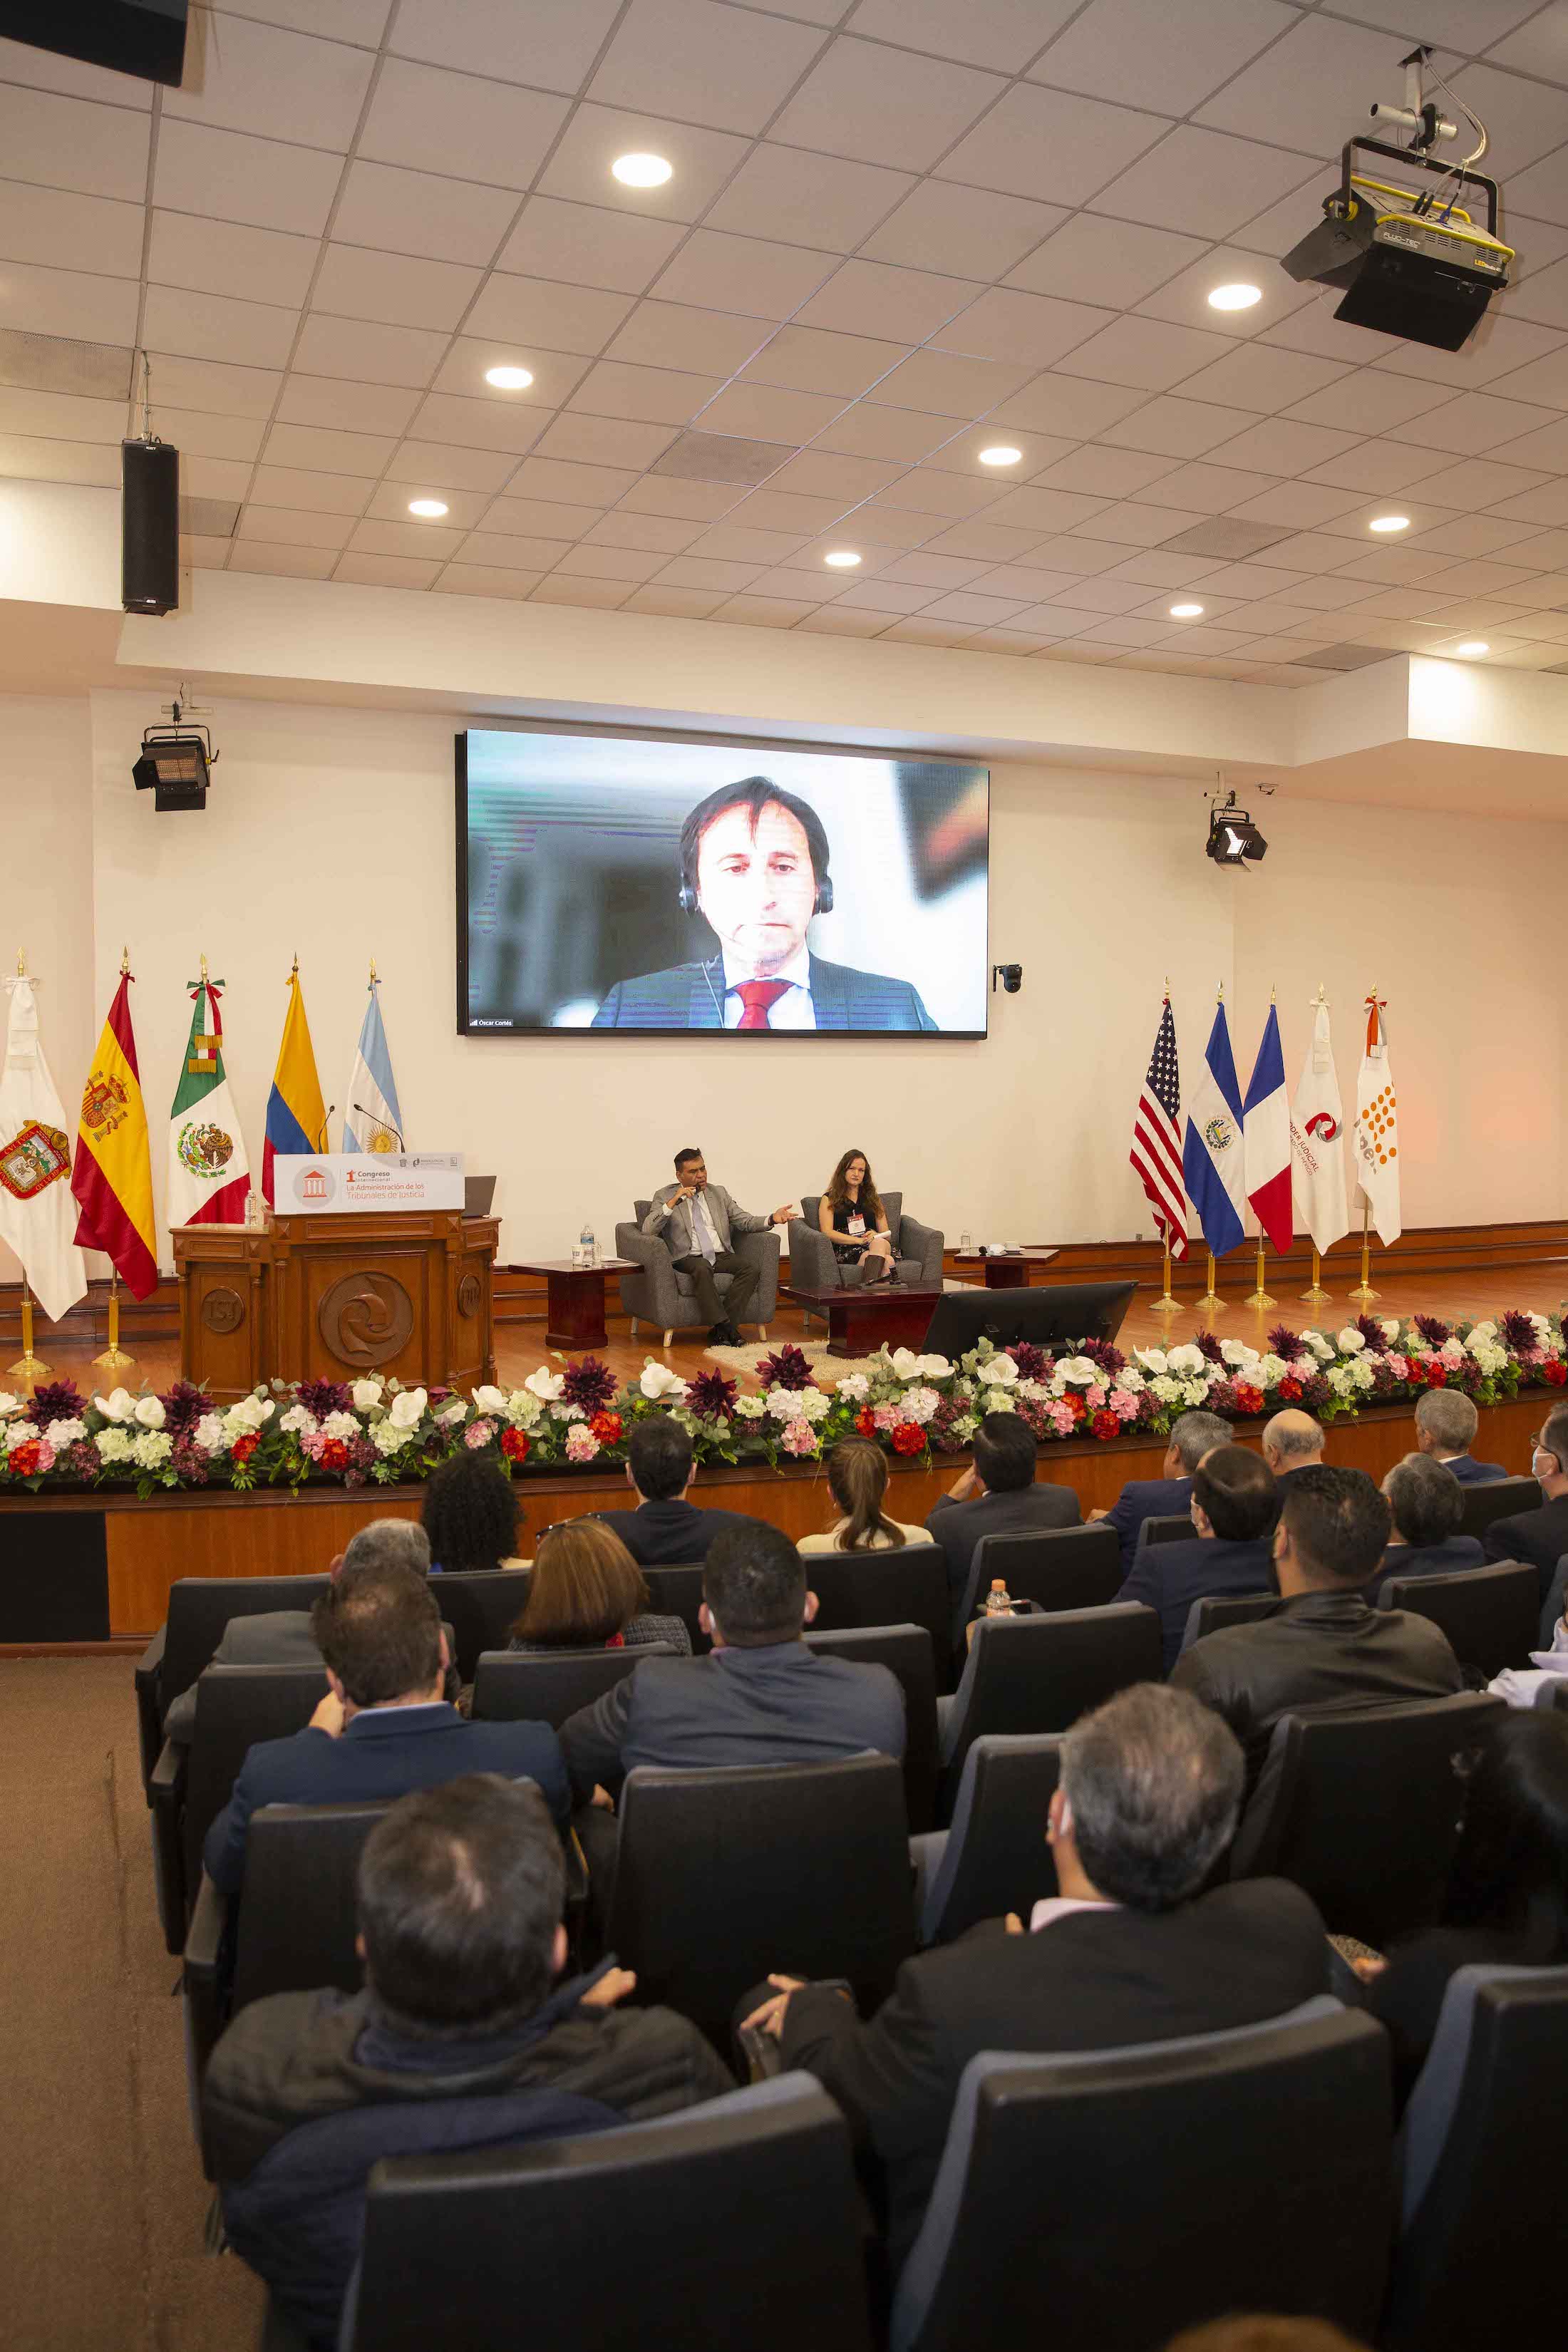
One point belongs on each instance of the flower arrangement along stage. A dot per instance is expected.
(917, 1407)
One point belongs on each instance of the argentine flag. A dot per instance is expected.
(372, 1120)
(1212, 1165)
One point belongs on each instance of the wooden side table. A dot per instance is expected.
(1011, 1272)
(575, 1310)
(862, 1318)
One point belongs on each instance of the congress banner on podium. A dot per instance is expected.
(328, 1183)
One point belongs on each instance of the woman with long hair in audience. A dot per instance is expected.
(1507, 1889)
(587, 1592)
(858, 1480)
(851, 1214)
(472, 1515)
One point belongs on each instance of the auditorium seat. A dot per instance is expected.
(1488, 1613)
(732, 2227)
(511, 1687)
(1217, 1608)
(1553, 1607)
(813, 1266)
(1497, 1499)
(726, 1873)
(1058, 1568)
(1040, 1673)
(994, 1858)
(1485, 2155)
(1360, 1807)
(199, 1608)
(908, 1586)
(1111, 2198)
(1165, 1527)
(482, 1606)
(660, 1295)
(676, 1592)
(907, 1651)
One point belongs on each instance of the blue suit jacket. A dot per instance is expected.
(1428, 1560)
(1471, 1472)
(1145, 1498)
(691, 996)
(384, 1753)
(1171, 1576)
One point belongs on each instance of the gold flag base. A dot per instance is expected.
(27, 1367)
(1316, 1295)
(1211, 1302)
(114, 1356)
(1165, 1304)
(1260, 1297)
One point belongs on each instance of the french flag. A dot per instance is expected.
(1267, 1123)
(1212, 1147)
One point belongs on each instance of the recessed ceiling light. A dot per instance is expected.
(509, 379)
(1389, 522)
(1234, 297)
(427, 510)
(843, 559)
(642, 170)
(1186, 612)
(1001, 454)
(1472, 648)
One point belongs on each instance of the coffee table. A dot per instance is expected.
(574, 1310)
(1010, 1272)
(866, 1317)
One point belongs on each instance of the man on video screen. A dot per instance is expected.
(754, 863)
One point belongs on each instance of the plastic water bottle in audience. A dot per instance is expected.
(588, 1248)
(998, 1601)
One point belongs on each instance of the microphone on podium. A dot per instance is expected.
(380, 1122)
(323, 1141)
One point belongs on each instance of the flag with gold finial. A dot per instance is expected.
(296, 1115)
(36, 1210)
(1376, 1142)
(209, 1172)
(112, 1175)
(372, 1120)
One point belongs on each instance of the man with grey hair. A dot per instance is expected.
(1292, 1441)
(1427, 1502)
(1126, 1949)
(1446, 1426)
(1193, 1435)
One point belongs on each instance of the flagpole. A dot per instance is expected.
(1165, 1304)
(27, 1366)
(1211, 1302)
(1317, 1296)
(1363, 1292)
(1259, 1298)
(113, 1356)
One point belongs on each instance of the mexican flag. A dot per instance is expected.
(210, 1174)
(112, 1174)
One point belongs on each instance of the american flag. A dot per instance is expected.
(1156, 1152)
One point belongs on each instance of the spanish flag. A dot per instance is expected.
(111, 1176)
(296, 1115)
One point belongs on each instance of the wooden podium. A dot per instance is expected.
(398, 1292)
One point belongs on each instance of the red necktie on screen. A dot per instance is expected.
(757, 995)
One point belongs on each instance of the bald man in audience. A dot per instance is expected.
(1292, 1441)
(1446, 1426)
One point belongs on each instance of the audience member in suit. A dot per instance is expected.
(1193, 1435)
(465, 2004)
(997, 1497)
(1508, 1888)
(1234, 1506)
(1324, 1646)
(1542, 1535)
(697, 1222)
(1129, 1950)
(471, 1515)
(586, 1592)
(1292, 1441)
(857, 1482)
(1446, 1426)
(284, 1637)
(1427, 1505)
(384, 1726)
(760, 1697)
(665, 1528)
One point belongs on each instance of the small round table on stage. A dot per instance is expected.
(575, 1314)
(1010, 1272)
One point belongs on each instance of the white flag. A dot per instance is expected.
(37, 1207)
(1317, 1142)
(1376, 1131)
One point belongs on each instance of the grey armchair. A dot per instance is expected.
(917, 1249)
(660, 1294)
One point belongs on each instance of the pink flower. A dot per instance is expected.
(580, 1442)
(1124, 1404)
(1094, 1396)
(1062, 1418)
(886, 1416)
(799, 1437)
(478, 1433)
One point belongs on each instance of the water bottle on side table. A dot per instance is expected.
(588, 1248)
(998, 1601)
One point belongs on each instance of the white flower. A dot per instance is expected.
(9, 1404)
(23, 1433)
(1351, 1341)
(1186, 1358)
(1168, 1391)
(1154, 1360)
(1390, 1328)
(934, 1367)
(486, 1399)
(62, 1434)
(118, 1406)
(1131, 1379)
(408, 1408)
(1038, 1393)
(750, 1408)
(783, 1403)
(1235, 1352)
(1194, 1391)
(1078, 1372)
(856, 1387)
(151, 1449)
(149, 1413)
(658, 1381)
(387, 1438)
(1362, 1375)
(997, 1372)
(249, 1412)
(366, 1395)
(548, 1387)
(1339, 1378)
(521, 1410)
(450, 1414)
(815, 1404)
(918, 1404)
(113, 1445)
(300, 1418)
(340, 1424)
(1000, 1401)
(905, 1363)
(211, 1435)
(1321, 1348)
(1541, 1323)
(1271, 1371)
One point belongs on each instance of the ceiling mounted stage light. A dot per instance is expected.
(176, 763)
(843, 559)
(1002, 454)
(1233, 839)
(1234, 297)
(509, 379)
(642, 170)
(1186, 612)
(427, 510)
(1389, 522)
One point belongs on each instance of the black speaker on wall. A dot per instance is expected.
(149, 527)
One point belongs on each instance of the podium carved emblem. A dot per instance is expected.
(470, 1291)
(223, 1311)
(366, 1318)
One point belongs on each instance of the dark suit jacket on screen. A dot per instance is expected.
(663, 1535)
(1541, 1535)
(1023, 1511)
(691, 996)
(1170, 1577)
(1093, 1979)
(1145, 1498)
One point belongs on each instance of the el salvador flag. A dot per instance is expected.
(1212, 1161)
(372, 1120)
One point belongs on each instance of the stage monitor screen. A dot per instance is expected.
(1061, 1318)
(620, 882)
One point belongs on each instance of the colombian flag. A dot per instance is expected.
(112, 1175)
(296, 1115)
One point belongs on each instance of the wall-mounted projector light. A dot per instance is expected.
(176, 763)
(1233, 839)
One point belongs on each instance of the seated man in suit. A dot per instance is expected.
(1446, 1426)
(1292, 1441)
(460, 1894)
(696, 1222)
(997, 1497)
(1541, 1535)
(1128, 1949)
(1324, 1646)
(384, 1726)
(1427, 1503)
(754, 863)
(1234, 1507)
(1193, 1435)
(665, 1527)
(761, 1698)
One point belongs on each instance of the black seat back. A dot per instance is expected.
(906, 1651)
(736, 2220)
(1488, 1613)
(725, 1875)
(1058, 1568)
(906, 1587)
(481, 1605)
(996, 1859)
(296, 1921)
(1497, 1499)
(1217, 1608)
(511, 1687)
(1165, 1527)
(1360, 1807)
(1040, 1673)
(235, 1706)
(676, 1592)
(1227, 2227)
(200, 1606)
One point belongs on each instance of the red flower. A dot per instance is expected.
(606, 1427)
(1436, 1375)
(26, 1460)
(866, 1422)
(1105, 1424)
(244, 1447)
(1290, 1387)
(1554, 1371)
(1247, 1398)
(514, 1445)
(908, 1437)
(334, 1454)
(1075, 1404)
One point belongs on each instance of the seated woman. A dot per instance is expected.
(472, 1515)
(587, 1592)
(858, 1479)
(851, 1214)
